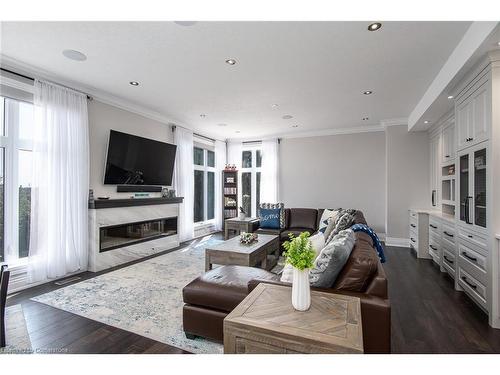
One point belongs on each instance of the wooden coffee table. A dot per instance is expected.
(263, 253)
(266, 322)
(240, 225)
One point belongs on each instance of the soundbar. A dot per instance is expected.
(138, 189)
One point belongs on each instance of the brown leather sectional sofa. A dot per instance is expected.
(210, 297)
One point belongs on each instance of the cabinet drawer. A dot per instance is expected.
(473, 262)
(472, 287)
(414, 240)
(413, 224)
(479, 241)
(449, 259)
(413, 214)
(434, 248)
(448, 234)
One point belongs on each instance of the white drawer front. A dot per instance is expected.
(449, 260)
(449, 236)
(413, 214)
(473, 262)
(479, 241)
(413, 224)
(436, 222)
(434, 248)
(413, 240)
(472, 286)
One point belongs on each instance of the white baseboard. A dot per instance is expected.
(399, 242)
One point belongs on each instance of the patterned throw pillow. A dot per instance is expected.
(281, 206)
(332, 259)
(328, 216)
(345, 220)
(269, 218)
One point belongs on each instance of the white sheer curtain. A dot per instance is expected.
(184, 182)
(269, 188)
(220, 162)
(59, 193)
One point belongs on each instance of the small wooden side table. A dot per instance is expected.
(266, 322)
(240, 225)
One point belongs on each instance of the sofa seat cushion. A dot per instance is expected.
(295, 231)
(275, 232)
(223, 288)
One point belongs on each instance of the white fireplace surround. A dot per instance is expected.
(104, 217)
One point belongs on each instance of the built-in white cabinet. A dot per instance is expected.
(435, 158)
(448, 142)
(473, 114)
(419, 233)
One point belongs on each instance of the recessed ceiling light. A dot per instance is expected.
(368, 92)
(287, 117)
(450, 96)
(295, 126)
(231, 61)
(426, 121)
(74, 55)
(498, 44)
(274, 106)
(365, 118)
(203, 115)
(237, 131)
(185, 23)
(221, 124)
(374, 26)
(134, 83)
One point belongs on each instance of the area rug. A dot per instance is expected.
(144, 298)
(16, 333)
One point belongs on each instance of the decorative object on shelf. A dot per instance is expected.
(248, 238)
(230, 168)
(164, 192)
(91, 196)
(300, 254)
(171, 193)
(141, 195)
(243, 214)
(451, 170)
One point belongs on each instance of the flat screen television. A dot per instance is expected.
(134, 160)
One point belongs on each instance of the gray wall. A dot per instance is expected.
(336, 171)
(407, 156)
(102, 118)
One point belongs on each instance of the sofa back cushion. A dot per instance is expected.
(303, 218)
(361, 267)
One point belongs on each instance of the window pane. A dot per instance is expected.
(246, 160)
(210, 158)
(246, 191)
(2, 122)
(26, 120)
(24, 173)
(2, 203)
(210, 195)
(258, 162)
(198, 156)
(257, 188)
(199, 201)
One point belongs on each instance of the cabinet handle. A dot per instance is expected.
(412, 239)
(470, 236)
(447, 156)
(469, 283)
(433, 248)
(447, 259)
(472, 259)
(433, 226)
(413, 225)
(448, 234)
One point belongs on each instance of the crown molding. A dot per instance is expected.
(394, 122)
(99, 95)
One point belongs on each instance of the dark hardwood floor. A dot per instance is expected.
(428, 316)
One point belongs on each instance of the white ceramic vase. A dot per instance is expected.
(301, 290)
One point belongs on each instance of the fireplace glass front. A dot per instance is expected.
(122, 235)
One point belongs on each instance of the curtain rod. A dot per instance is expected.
(32, 79)
(258, 141)
(196, 134)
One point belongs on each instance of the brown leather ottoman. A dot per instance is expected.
(213, 295)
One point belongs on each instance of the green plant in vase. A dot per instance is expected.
(300, 255)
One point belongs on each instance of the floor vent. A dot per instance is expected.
(67, 281)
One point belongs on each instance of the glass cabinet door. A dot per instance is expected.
(480, 188)
(464, 186)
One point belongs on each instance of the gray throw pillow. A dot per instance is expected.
(332, 259)
(344, 221)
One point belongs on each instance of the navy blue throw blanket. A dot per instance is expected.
(373, 235)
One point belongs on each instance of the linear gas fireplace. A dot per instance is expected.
(117, 236)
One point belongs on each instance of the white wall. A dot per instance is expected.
(345, 171)
(407, 171)
(102, 118)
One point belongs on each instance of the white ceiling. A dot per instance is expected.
(314, 71)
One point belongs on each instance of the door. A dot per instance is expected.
(479, 124)
(435, 162)
(479, 185)
(448, 152)
(463, 120)
(464, 187)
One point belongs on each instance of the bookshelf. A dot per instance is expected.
(230, 194)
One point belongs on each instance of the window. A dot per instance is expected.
(204, 185)
(251, 162)
(16, 129)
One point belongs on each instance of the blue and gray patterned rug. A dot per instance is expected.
(144, 298)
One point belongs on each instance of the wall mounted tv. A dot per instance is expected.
(134, 160)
